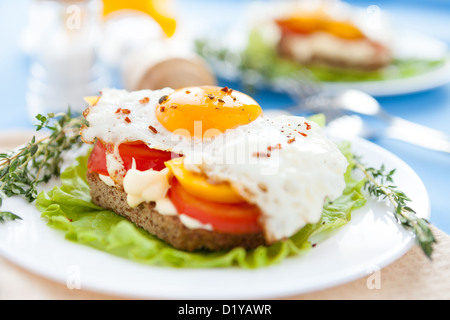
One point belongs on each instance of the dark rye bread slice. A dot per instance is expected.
(168, 228)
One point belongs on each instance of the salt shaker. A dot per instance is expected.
(62, 43)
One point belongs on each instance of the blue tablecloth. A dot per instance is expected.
(431, 108)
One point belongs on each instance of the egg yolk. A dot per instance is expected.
(320, 21)
(207, 111)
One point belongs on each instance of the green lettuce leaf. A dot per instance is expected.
(69, 208)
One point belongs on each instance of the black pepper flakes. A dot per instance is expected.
(163, 99)
(221, 100)
(211, 96)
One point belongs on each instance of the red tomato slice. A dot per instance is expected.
(97, 159)
(224, 217)
(145, 157)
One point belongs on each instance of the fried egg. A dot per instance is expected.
(285, 165)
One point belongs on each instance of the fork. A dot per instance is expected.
(312, 97)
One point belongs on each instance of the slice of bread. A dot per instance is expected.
(377, 55)
(167, 227)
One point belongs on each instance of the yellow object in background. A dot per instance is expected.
(157, 9)
(91, 100)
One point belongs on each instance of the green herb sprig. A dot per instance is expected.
(380, 185)
(22, 170)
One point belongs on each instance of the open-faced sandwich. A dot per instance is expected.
(334, 34)
(203, 168)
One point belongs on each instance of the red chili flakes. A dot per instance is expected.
(302, 133)
(86, 112)
(127, 120)
(109, 147)
(221, 100)
(162, 109)
(119, 110)
(126, 111)
(308, 126)
(262, 187)
(153, 129)
(291, 140)
(187, 92)
(262, 154)
(145, 100)
(277, 147)
(226, 90)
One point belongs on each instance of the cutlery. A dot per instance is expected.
(336, 106)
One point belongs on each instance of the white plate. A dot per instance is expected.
(406, 44)
(371, 241)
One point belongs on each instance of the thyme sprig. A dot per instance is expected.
(380, 184)
(23, 169)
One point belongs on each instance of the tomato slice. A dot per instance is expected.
(145, 157)
(224, 217)
(97, 159)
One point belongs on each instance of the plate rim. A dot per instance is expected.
(394, 87)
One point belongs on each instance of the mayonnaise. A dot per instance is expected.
(145, 186)
(192, 223)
